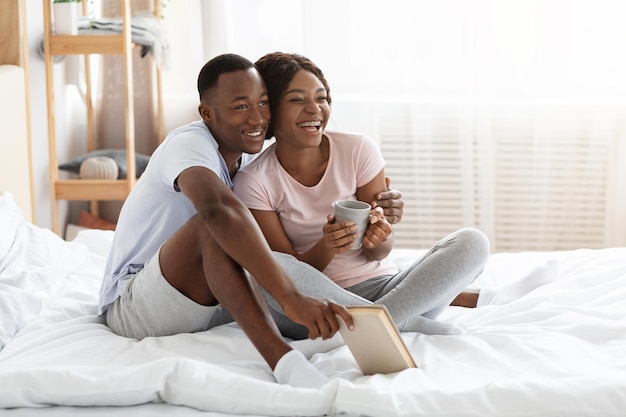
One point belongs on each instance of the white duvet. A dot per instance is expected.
(558, 351)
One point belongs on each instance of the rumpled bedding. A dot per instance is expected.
(557, 351)
(32, 260)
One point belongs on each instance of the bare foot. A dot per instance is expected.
(467, 298)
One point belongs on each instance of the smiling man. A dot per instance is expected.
(184, 241)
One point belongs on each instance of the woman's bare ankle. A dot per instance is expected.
(467, 298)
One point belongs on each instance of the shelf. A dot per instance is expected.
(83, 190)
(86, 44)
(92, 42)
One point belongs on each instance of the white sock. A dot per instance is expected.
(295, 370)
(425, 325)
(542, 275)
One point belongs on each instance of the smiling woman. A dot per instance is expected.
(496, 115)
(291, 190)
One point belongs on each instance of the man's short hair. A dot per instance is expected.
(221, 64)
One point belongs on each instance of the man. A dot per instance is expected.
(184, 241)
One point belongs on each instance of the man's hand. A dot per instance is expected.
(319, 316)
(391, 202)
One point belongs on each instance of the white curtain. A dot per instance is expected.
(112, 87)
(508, 115)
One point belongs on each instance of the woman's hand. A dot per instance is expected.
(339, 237)
(378, 230)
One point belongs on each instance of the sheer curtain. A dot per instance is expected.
(109, 97)
(505, 115)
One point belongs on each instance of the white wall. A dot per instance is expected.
(66, 138)
(38, 111)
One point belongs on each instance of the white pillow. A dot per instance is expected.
(32, 259)
(39, 257)
(10, 219)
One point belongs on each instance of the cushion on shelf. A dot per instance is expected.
(99, 168)
(119, 155)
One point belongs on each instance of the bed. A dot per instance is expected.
(557, 351)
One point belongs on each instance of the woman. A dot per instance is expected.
(291, 187)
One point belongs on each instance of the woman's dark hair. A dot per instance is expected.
(278, 69)
(221, 64)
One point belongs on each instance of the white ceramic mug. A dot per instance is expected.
(354, 211)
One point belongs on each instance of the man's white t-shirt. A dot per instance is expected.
(155, 209)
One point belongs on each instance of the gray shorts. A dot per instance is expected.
(149, 305)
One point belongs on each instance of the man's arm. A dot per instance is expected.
(235, 230)
(318, 256)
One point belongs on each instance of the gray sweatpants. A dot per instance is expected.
(414, 296)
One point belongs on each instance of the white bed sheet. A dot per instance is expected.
(559, 350)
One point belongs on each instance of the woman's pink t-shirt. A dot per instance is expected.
(354, 160)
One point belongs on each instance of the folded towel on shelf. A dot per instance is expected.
(146, 30)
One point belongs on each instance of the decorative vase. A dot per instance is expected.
(65, 18)
(99, 168)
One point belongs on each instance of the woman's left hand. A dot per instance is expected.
(378, 230)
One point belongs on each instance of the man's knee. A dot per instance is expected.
(193, 239)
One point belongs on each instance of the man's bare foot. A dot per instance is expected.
(467, 298)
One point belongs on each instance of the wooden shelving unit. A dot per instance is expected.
(81, 44)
